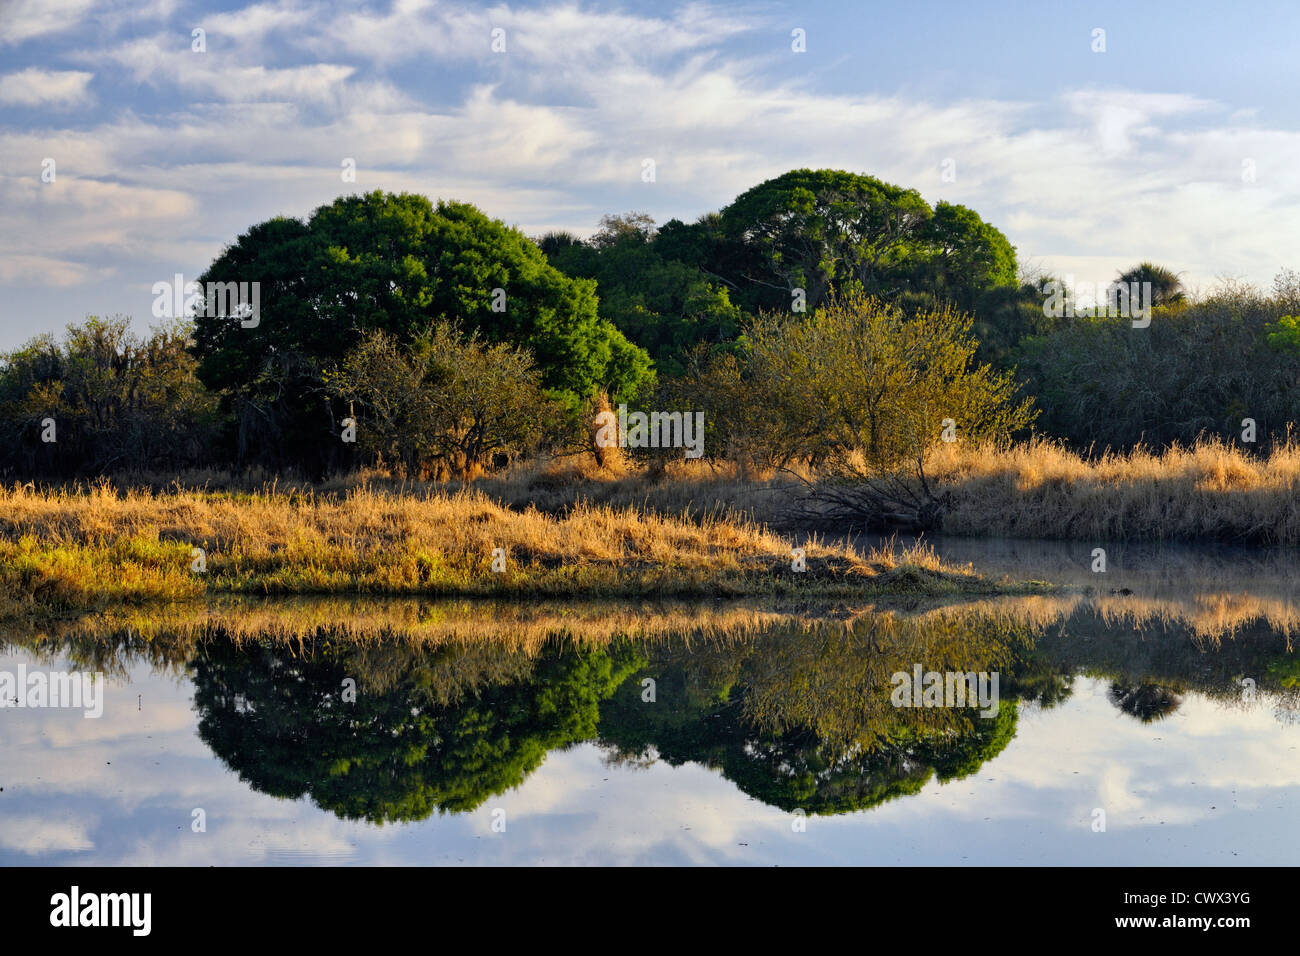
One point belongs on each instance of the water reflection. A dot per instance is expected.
(432, 730)
(457, 704)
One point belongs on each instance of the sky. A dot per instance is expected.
(1174, 135)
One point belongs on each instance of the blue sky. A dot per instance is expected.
(1179, 143)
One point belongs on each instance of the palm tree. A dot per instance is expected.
(1166, 287)
(1146, 701)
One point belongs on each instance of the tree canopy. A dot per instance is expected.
(394, 263)
(671, 288)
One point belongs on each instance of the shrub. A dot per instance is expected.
(118, 402)
(447, 405)
(860, 392)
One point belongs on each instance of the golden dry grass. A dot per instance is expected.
(570, 528)
(1207, 617)
(1212, 491)
(350, 620)
(77, 549)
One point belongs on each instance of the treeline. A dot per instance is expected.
(104, 400)
(1227, 366)
(823, 317)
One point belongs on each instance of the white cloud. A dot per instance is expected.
(253, 23)
(1119, 115)
(553, 132)
(18, 269)
(556, 35)
(166, 64)
(36, 87)
(24, 19)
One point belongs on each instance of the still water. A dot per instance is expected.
(1160, 726)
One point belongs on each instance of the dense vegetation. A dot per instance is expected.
(395, 264)
(1200, 369)
(823, 322)
(103, 400)
(71, 551)
(784, 246)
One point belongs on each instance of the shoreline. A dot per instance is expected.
(69, 552)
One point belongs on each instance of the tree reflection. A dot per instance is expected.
(797, 717)
(1146, 701)
(802, 719)
(797, 713)
(279, 719)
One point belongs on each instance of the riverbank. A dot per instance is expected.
(1210, 492)
(79, 550)
(570, 529)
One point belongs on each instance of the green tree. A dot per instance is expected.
(964, 259)
(861, 391)
(672, 288)
(639, 226)
(1166, 287)
(814, 229)
(1284, 335)
(663, 305)
(391, 263)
